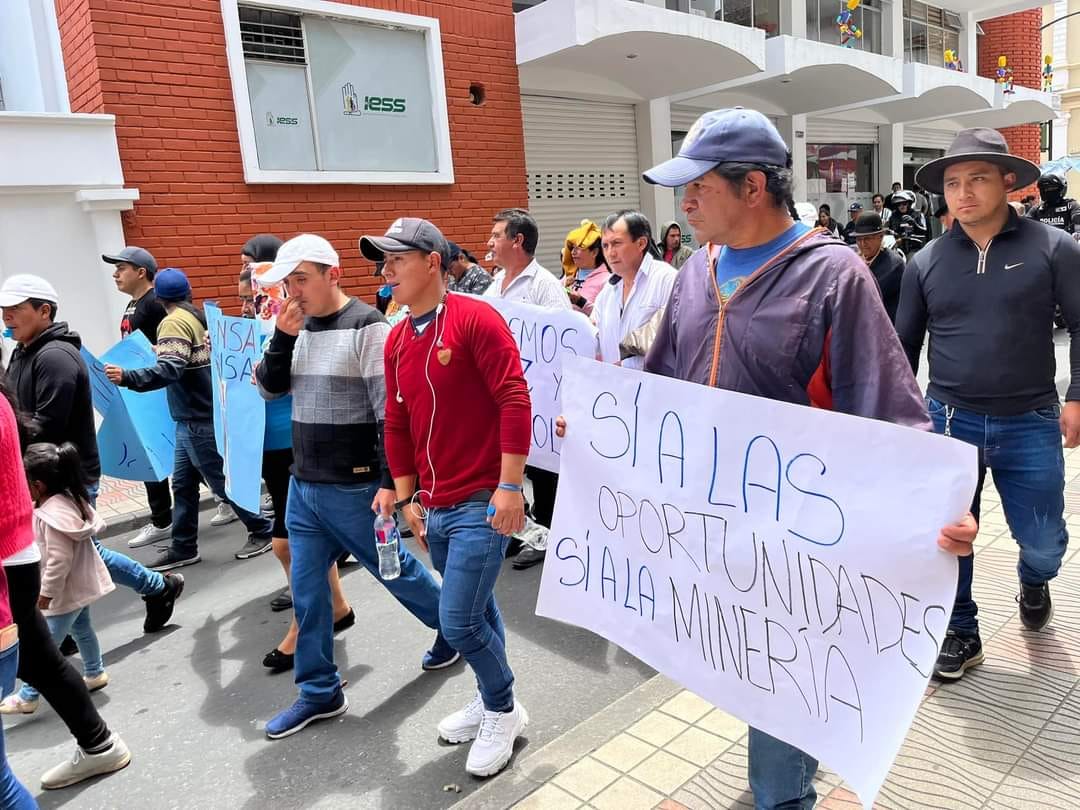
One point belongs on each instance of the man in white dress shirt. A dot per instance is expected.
(514, 236)
(641, 284)
(522, 279)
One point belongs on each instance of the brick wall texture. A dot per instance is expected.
(1017, 37)
(160, 67)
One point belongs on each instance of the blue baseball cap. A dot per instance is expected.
(736, 135)
(172, 285)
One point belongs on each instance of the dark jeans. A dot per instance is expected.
(43, 667)
(196, 454)
(159, 497)
(781, 776)
(544, 484)
(13, 796)
(1024, 454)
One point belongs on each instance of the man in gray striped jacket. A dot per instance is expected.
(327, 350)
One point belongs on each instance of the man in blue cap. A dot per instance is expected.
(772, 308)
(183, 368)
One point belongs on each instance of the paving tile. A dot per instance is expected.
(626, 794)
(548, 797)
(687, 706)
(658, 728)
(722, 723)
(840, 799)
(671, 804)
(623, 752)
(585, 778)
(664, 772)
(700, 747)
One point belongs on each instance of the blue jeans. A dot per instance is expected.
(325, 520)
(13, 796)
(124, 570)
(1024, 454)
(781, 776)
(469, 554)
(196, 454)
(77, 623)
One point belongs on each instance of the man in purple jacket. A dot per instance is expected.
(772, 308)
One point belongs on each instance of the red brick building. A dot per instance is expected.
(162, 69)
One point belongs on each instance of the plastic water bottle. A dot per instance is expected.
(387, 541)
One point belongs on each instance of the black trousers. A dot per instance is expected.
(544, 484)
(43, 667)
(159, 497)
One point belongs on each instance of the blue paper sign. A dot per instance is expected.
(239, 410)
(137, 437)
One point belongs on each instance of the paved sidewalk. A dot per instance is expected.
(1002, 738)
(122, 504)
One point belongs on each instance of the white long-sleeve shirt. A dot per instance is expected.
(651, 291)
(534, 285)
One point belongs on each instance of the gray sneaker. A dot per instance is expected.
(224, 515)
(254, 547)
(83, 766)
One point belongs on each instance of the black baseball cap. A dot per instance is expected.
(457, 250)
(140, 257)
(403, 235)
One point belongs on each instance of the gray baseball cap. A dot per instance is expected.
(140, 257)
(405, 234)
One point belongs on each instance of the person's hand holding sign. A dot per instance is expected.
(114, 374)
(956, 538)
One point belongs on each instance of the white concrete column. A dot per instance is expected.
(793, 131)
(892, 34)
(793, 18)
(890, 160)
(654, 146)
(97, 290)
(969, 44)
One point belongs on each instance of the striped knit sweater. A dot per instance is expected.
(334, 370)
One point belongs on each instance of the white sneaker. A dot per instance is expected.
(95, 682)
(150, 534)
(462, 725)
(83, 766)
(224, 515)
(495, 741)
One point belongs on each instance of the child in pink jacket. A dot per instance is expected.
(73, 575)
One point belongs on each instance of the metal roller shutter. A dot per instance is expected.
(581, 160)
(928, 138)
(832, 130)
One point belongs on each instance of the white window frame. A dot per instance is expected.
(429, 26)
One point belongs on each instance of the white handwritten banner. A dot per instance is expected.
(780, 561)
(545, 337)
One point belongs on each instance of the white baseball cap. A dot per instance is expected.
(23, 286)
(307, 247)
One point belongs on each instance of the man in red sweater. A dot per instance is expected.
(460, 490)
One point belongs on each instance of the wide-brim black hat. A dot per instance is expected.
(868, 224)
(979, 143)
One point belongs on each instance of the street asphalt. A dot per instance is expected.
(192, 701)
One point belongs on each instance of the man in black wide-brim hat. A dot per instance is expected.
(885, 264)
(986, 290)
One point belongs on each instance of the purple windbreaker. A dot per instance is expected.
(808, 327)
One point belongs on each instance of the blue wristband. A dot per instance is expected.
(510, 487)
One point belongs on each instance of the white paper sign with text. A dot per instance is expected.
(545, 337)
(778, 560)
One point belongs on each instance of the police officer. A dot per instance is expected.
(906, 223)
(1056, 209)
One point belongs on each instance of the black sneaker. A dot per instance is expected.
(254, 547)
(1036, 609)
(170, 559)
(958, 655)
(159, 608)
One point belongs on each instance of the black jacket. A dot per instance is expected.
(1064, 214)
(911, 226)
(990, 315)
(52, 385)
(888, 270)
